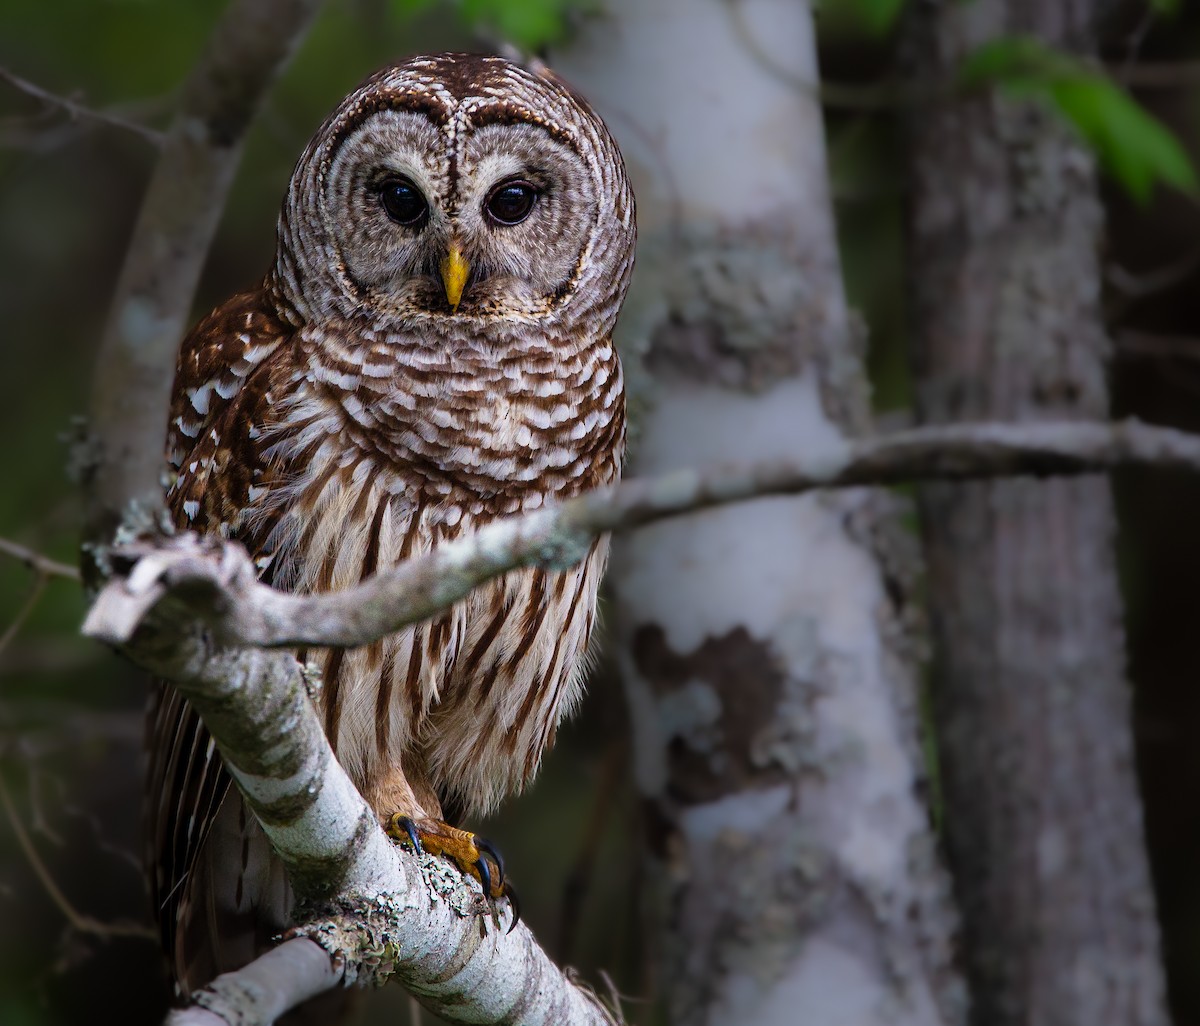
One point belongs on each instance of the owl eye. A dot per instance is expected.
(510, 202)
(403, 201)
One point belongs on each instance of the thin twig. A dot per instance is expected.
(1150, 344)
(18, 621)
(78, 111)
(1128, 290)
(37, 562)
(1158, 74)
(853, 96)
(77, 920)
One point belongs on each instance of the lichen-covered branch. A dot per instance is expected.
(220, 584)
(175, 226)
(263, 990)
(378, 913)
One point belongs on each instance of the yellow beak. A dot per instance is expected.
(454, 274)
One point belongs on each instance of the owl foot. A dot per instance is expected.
(474, 855)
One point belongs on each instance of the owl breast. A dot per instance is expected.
(384, 452)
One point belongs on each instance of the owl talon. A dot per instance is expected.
(401, 828)
(489, 849)
(515, 905)
(475, 856)
(485, 875)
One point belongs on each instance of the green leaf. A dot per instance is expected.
(530, 24)
(877, 16)
(410, 8)
(1168, 7)
(1132, 146)
(1129, 143)
(1013, 61)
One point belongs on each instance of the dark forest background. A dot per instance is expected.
(70, 723)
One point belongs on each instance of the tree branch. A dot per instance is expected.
(78, 111)
(263, 990)
(375, 911)
(43, 566)
(178, 218)
(219, 583)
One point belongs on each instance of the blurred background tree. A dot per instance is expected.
(70, 713)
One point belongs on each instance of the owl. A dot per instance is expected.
(431, 349)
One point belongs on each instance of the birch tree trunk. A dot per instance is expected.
(767, 650)
(1043, 817)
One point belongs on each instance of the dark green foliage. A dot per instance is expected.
(875, 16)
(528, 24)
(1130, 144)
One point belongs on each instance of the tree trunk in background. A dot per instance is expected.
(766, 649)
(1043, 818)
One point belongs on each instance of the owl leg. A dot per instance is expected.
(474, 855)
(404, 801)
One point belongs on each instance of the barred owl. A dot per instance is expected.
(431, 349)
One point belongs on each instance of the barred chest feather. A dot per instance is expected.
(385, 451)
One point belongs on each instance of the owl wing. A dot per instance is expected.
(227, 368)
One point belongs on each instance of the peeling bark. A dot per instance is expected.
(1043, 818)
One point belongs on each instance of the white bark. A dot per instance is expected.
(262, 991)
(769, 669)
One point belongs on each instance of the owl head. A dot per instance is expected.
(461, 187)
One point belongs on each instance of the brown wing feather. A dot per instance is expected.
(222, 382)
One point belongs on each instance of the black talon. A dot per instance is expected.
(489, 849)
(515, 905)
(410, 828)
(485, 876)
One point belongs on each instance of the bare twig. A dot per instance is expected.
(1157, 74)
(866, 97)
(44, 569)
(43, 565)
(78, 111)
(1157, 345)
(18, 621)
(179, 215)
(1150, 283)
(77, 920)
(219, 584)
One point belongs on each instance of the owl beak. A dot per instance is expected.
(454, 274)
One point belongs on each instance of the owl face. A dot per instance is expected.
(459, 187)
